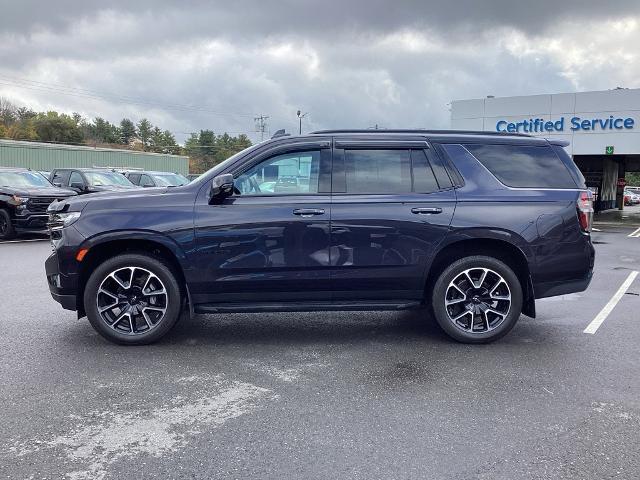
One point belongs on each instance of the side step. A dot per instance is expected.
(304, 306)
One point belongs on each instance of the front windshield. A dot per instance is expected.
(98, 179)
(170, 179)
(215, 170)
(23, 179)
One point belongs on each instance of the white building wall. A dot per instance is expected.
(484, 114)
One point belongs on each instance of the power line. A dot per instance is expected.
(85, 93)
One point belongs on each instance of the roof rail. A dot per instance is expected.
(420, 131)
(280, 133)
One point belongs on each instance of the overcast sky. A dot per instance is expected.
(193, 65)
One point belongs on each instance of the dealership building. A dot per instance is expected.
(603, 129)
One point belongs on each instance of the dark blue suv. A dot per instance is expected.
(473, 226)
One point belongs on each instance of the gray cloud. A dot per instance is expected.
(350, 64)
(310, 17)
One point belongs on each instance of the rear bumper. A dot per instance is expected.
(569, 271)
(552, 289)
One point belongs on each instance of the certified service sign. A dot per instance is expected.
(573, 124)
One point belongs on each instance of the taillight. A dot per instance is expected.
(585, 210)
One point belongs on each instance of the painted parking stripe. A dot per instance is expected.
(635, 233)
(604, 313)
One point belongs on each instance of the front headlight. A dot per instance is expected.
(17, 200)
(58, 221)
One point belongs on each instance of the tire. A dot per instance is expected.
(136, 317)
(7, 231)
(491, 311)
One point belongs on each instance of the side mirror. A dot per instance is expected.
(57, 184)
(77, 186)
(221, 187)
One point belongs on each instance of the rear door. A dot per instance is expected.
(392, 204)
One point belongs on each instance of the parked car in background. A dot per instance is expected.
(25, 196)
(192, 176)
(475, 226)
(91, 180)
(631, 198)
(155, 179)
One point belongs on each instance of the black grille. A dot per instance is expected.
(40, 204)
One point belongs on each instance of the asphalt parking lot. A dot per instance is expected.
(328, 395)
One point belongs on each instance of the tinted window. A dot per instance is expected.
(524, 165)
(442, 160)
(289, 173)
(568, 162)
(378, 171)
(424, 180)
(60, 177)
(134, 178)
(146, 181)
(76, 178)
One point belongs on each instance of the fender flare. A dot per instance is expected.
(149, 236)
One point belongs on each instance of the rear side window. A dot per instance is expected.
(378, 171)
(524, 165)
(424, 180)
(569, 163)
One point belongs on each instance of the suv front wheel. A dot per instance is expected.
(133, 299)
(7, 231)
(477, 299)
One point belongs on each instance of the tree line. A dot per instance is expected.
(205, 149)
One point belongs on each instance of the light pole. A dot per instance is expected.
(300, 117)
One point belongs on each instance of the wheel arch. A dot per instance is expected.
(106, 246)
(503, 250)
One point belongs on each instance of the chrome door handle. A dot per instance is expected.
(426, 210)
(308, 212)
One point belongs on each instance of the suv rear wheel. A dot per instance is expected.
(477, 299)
(6, 227)
(133, 299)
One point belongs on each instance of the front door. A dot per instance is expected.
(269, 241)
(390, 209)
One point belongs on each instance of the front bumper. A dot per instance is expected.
(62, 269)
(62, 287)
(31, 222)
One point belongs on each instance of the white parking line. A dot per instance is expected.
(604, 313)
(635, 233)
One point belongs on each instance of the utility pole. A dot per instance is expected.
(261, 125)
(300, 117)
